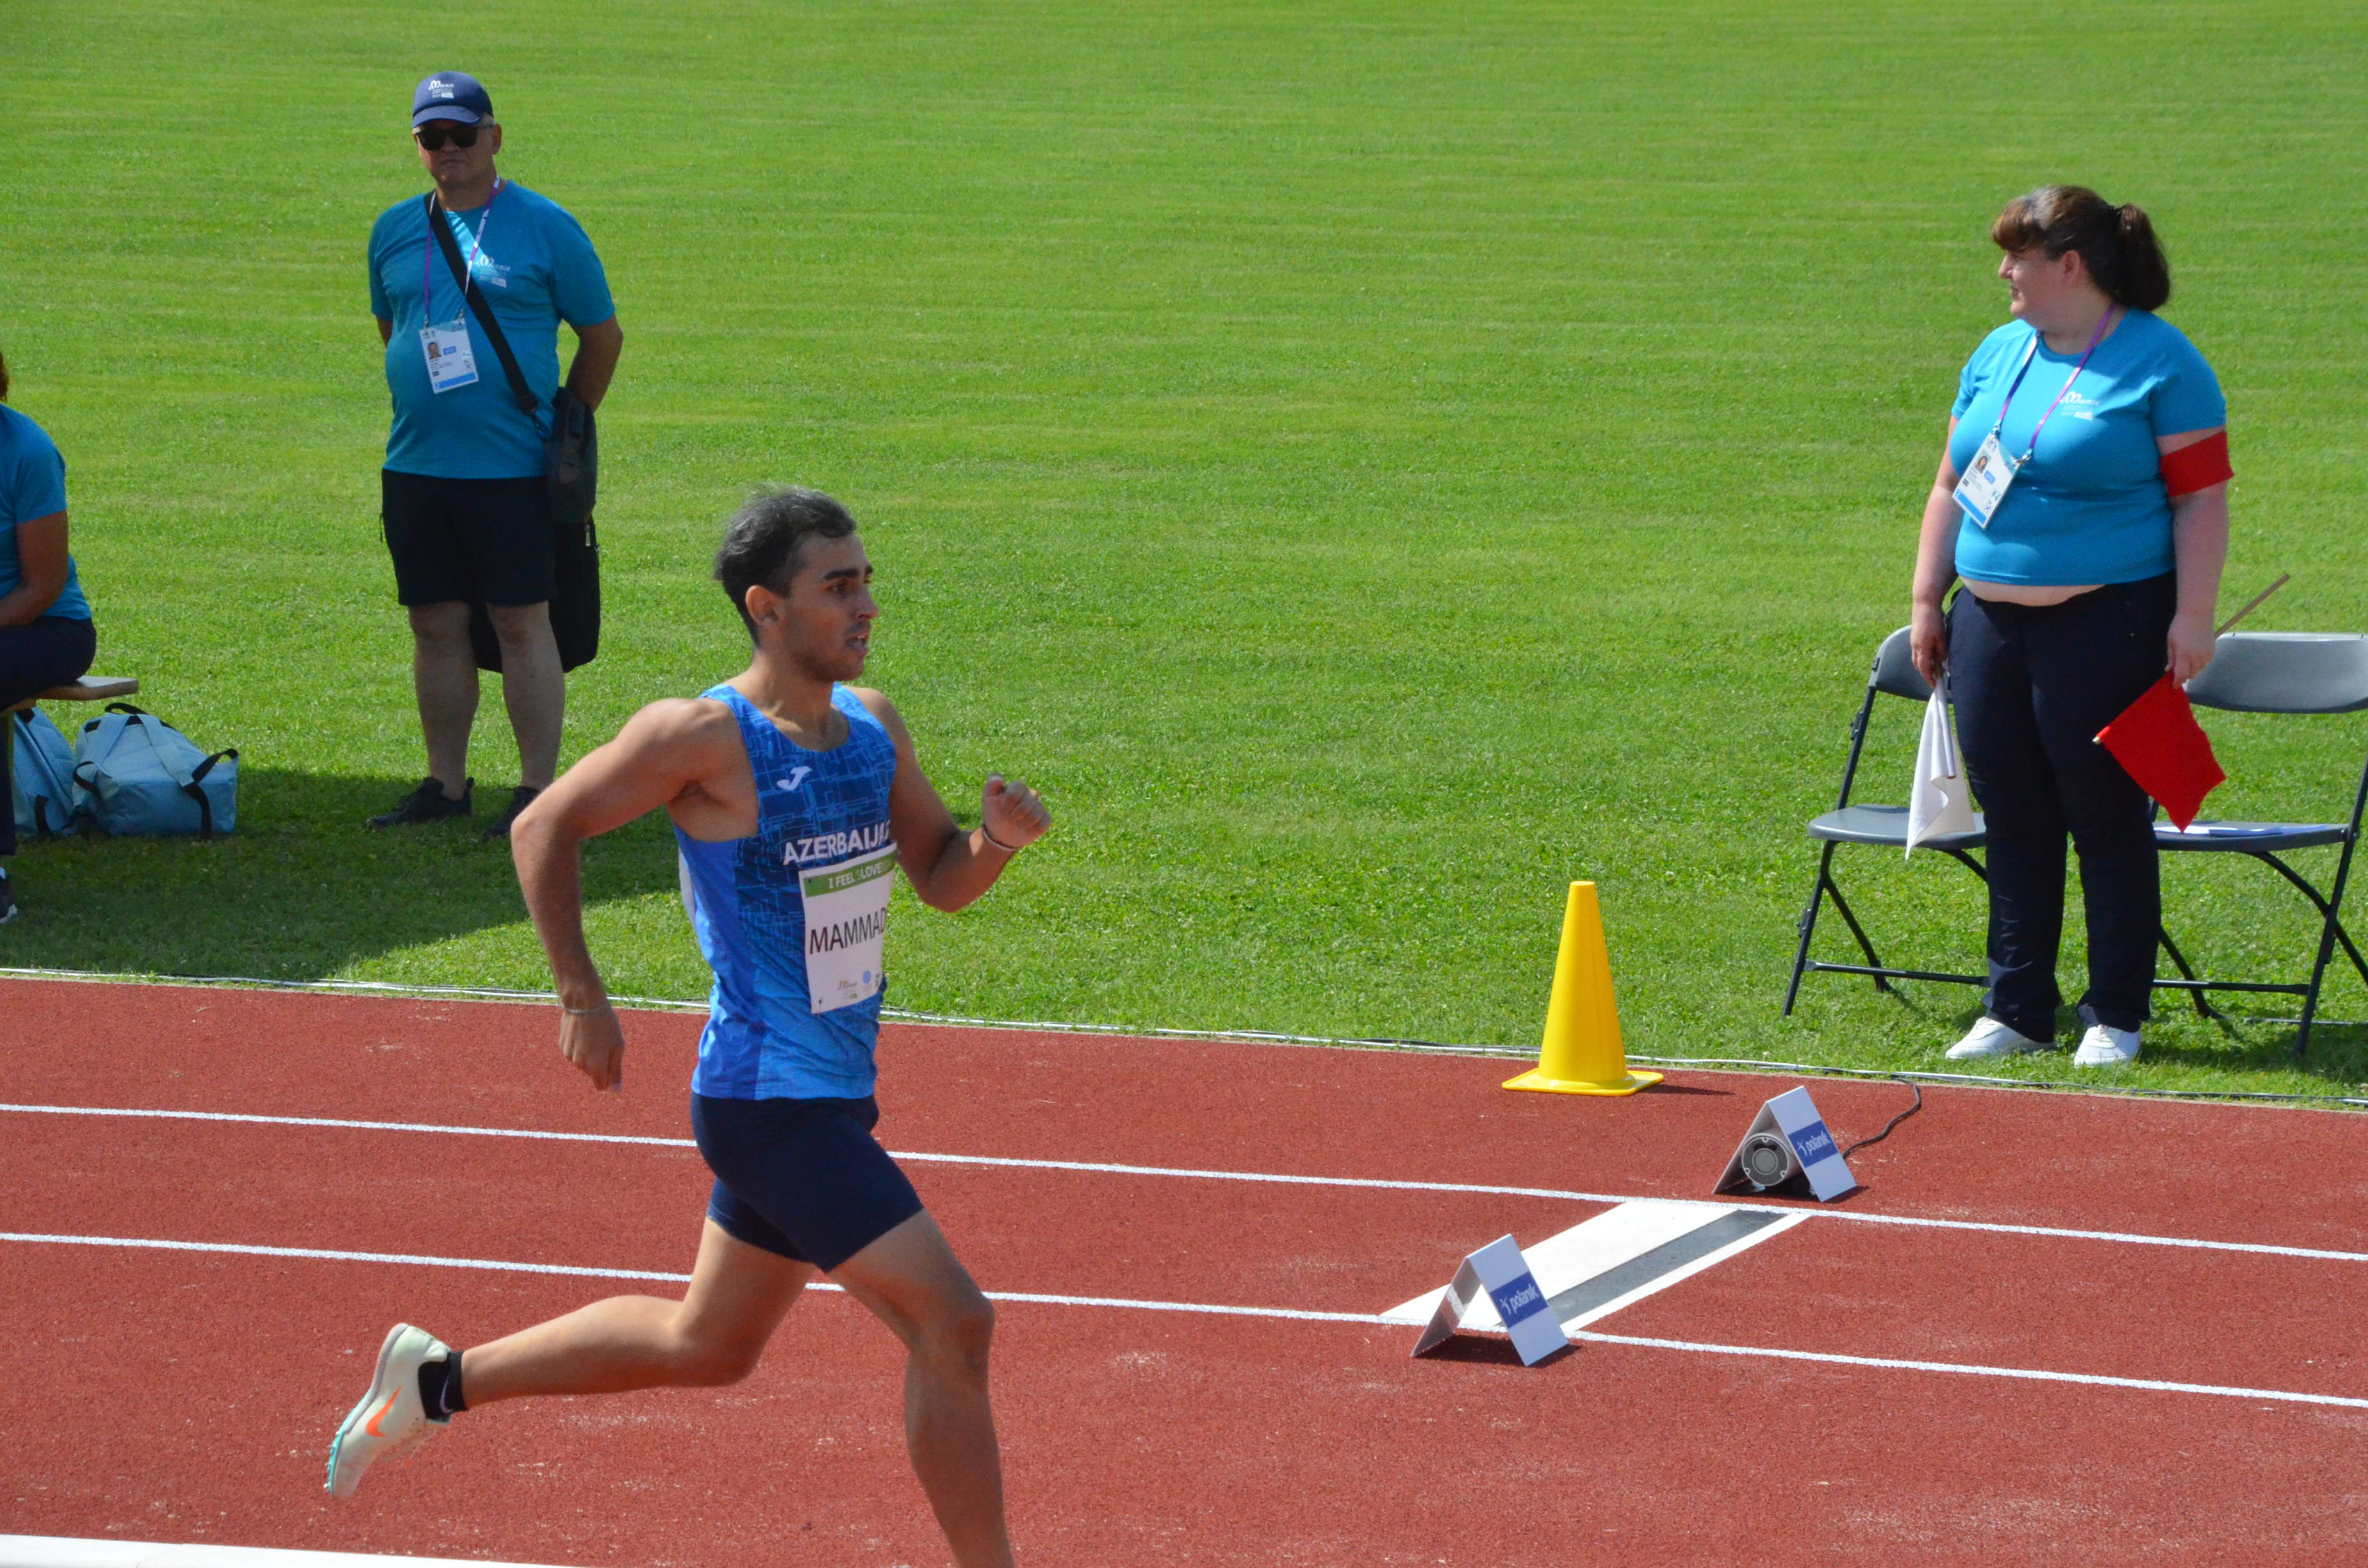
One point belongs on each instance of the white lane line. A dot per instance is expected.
(1207, 1308)
(418, 1260)
(342, 1121)
(327, 1254)
(1896, 1364)
(76, 1551)
(1370, 1184)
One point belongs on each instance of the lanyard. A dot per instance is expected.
(2028, 355)
(477, 245)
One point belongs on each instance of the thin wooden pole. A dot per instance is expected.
(2284, 578)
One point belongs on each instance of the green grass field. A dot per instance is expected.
(1368, 465)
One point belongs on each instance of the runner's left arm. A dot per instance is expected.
(947, 866)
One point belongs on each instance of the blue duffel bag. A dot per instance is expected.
(142, 778)
(40, 777)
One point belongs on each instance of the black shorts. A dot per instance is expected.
(466, 539)
(802, 1179)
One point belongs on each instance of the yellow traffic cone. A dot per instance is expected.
(1581, 1054)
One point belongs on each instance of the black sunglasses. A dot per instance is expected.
(433, 137)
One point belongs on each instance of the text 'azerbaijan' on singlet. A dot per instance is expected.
(792, 919)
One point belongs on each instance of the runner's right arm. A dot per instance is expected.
(679, 754)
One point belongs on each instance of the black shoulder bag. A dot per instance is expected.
(571, 479)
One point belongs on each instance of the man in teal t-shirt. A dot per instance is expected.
(461, 489)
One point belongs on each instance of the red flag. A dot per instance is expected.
(2158, 743)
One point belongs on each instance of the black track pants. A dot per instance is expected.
(2032, 688)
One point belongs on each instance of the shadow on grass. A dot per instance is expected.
(301, 891)
(2339, 1048)
(2235, 1043)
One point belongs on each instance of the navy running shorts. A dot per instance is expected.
(802, 1179)
(461, 539)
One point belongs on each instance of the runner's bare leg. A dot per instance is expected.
(912, 1281)
(909, 1278)
(738, 1296)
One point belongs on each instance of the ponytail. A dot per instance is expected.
(2116, 244)
(2144, 281)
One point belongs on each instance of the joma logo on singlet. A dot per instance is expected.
(846, 932)
(834, 845)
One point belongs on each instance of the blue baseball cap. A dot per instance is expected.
(451, 94)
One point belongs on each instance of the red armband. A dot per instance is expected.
(2200, 465)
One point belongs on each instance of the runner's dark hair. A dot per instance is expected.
(2117, 243)
(763, 539)
(4, 377)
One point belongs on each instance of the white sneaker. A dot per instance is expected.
(390, 1417)
(2105, 1046)
(1991, 1038)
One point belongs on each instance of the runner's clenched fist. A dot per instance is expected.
(1012, 814)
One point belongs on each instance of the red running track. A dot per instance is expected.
(188, 1395)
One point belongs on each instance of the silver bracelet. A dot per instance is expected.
(586, 1012)
(988, 834)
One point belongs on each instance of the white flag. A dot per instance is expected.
(1941, 800)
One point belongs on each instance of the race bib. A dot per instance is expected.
(451, 358)
(1985, 482)
(847, 922)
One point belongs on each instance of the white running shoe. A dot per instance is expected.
(2105, 1046)
(1991, 1038)
(390, 1419)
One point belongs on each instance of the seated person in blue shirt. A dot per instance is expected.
(46, 638)
(2083, 499)
(461, 491)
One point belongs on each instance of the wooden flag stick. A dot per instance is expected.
(2284, 578)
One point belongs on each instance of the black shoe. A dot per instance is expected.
(429, 804)
(521, 799)
(8, 900)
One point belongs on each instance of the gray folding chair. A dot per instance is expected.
(1887, 827)
(2283, 672)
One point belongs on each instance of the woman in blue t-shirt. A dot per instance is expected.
(45, 632)
(2083, 499)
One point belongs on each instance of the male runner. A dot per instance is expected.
(793, 799)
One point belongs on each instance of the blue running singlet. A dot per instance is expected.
(794, 1012)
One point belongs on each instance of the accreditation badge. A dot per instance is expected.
(451, 358)
(1985, 482)
(846, 924)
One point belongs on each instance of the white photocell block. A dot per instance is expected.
(1498, 1270)
(1792, 1117)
